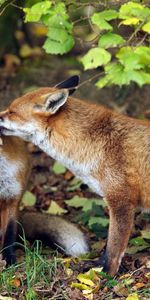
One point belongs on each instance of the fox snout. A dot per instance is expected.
(3, 114)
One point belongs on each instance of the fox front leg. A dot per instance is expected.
(121, 222)
(9, 227)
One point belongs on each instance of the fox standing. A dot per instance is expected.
(109, 152)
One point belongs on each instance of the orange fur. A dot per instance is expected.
(108, 151)
(14, 171)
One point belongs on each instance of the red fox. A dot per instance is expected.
(14, 174)
(108, 151)
(14, 171)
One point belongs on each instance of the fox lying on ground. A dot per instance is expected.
(14, 174)
(108, 151)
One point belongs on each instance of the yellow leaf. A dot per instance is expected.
(92, 275)
(55, 209)
(25, 51)
(97, 269)
(68, 271)
(79, 286)
(124, 276)
(87, 294)
(146, 27)
(83, 278)
(133, 296)
(130, 21)
(147, 275)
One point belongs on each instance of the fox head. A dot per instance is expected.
(26, 114)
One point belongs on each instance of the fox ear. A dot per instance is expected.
(55, 100)
(71, 83)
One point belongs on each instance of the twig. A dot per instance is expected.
(135, 32)
(142, 40)
(90, 79)
(2, 11)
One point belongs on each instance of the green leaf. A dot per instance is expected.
(75, 184)
(132, 9)
(109, 39)
(135, 249)
(56, 47)
(76, 201)
(103, 82)
(145, 234)
(138, 241)
(59, 22)
(57, 34)
(34, 13)
(98, 220)
(28, 199)
(145, 76)
(117, 74)
(146, 27)
(129, 58)
(120, 75)
(85, 203)
(95, 57)
(100, 19)
(58, 168)
(144, 54)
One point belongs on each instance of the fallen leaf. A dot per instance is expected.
(58, 168)
(139, 285)
(28, 199)
(83, 278)
(120, 290)
(145, 234)
(69, 271)
(87, 294)
(124, 276)
(133, 296)
(68, 175)
(80, 286)
(15, 282)
(55, 209)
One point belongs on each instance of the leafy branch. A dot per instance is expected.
(122, 59)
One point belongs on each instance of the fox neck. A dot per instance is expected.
(69, 140)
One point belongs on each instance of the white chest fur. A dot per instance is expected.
(9, 186)
(81, 170)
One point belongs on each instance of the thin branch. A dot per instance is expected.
(4, 8)
(90, 79)
(135, 32)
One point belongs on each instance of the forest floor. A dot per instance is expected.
(41, 273)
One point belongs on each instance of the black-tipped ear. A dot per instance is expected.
(55, 100)
(71, 83)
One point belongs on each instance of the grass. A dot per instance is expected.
(41, 275)
(38, 276)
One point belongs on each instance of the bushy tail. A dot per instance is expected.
(53, 231)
